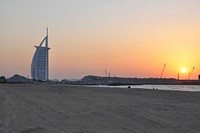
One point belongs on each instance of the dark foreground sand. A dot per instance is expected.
(76, 109)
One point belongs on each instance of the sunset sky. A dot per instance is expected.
(129, 38)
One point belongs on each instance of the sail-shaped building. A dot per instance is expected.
(40, 61)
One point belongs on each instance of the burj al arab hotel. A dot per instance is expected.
(40, 62)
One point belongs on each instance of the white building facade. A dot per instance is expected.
(40, 61)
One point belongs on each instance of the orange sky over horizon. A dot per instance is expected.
(128, 38)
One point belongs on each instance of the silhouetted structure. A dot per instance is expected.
(40, 62)
(163, 70)
(3, 79)
(19, 79)
(190, 73)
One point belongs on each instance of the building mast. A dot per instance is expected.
(47, 56)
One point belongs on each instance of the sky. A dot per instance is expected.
(128, 38)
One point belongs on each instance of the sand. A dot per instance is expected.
(80, 109)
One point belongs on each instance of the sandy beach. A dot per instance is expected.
(81, 109)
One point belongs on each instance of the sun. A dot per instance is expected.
(183, 70)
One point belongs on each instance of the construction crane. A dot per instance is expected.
(163, 70)
(190, 73)
(106, 72)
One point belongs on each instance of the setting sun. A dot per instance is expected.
(183, 70)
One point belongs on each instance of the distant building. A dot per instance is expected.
(40, 62)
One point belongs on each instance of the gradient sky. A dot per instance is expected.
(130, 38)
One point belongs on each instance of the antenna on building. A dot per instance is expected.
(163, 70)
(47, 30)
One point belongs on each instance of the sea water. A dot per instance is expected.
(162, 87)
(170, 87)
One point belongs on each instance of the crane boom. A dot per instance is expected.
(163, 70)
(191, 73)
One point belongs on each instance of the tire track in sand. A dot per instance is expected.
(39, 107)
